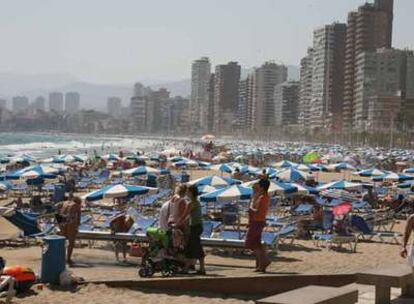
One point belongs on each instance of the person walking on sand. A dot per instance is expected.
(409, 227)
(70, 215)
(257, 221)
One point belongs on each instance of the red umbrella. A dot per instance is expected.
(342, 209)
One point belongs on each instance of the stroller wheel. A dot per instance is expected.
(142, 273)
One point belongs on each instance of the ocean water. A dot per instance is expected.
(45, 144)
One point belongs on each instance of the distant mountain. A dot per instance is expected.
(14, 84)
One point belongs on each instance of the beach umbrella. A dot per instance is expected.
(318, 167)
(275, 187)
(65, 159)
(118, 191)
(137, 157)
(215, 181)
(142, 170)
(283, 164)
(227, 168)
(22, 158)
(302, 167)
(4, 186)
(203, 164)
(33, 172)
(392, 177)
(342, 209)
(338, 194)
(405, 185)
(409, 171)
(175, 159)
(292, 175)
(344, 185)
(269, 171)
(370, 172)
(340, 167)
(228, 194)
(310, 157)
(186, 163)
(206, 189)
(302, 189)
(111, 157)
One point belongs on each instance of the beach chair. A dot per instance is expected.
(209, 227)
(302, 209)
(365, 232)
(335, 239)
(141, 225)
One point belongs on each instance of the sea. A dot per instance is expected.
(48, 144)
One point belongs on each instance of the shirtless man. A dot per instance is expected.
(409, 226)
(71, 215)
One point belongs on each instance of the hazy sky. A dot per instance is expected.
(119, 41)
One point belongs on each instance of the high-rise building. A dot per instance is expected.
(286, 97)
(327, 77)
(3, 103)
(305, 94)
(226, 90)
(113, 106)
(210, 107)
(156, 108)
(20, 104)
(39, 104)
(138, 113)
(56, 102)
(200, 81)
(382, 89)
(369, 28)
(72, 102)
(245, 109)
(266, 78)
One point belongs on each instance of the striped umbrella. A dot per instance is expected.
(232, 193)
(142, 170)
(370, 172)
(292, 175)
(186, 163)
(392, 177)
(33, 172)
(215, 181)
(206, 189)
(409, 171)
(118, 191)
(111, 157)
(283, 164)
(275, 187)
(4, 186)
(344, 185)
(340, 167)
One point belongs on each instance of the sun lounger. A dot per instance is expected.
(141, 225)
(334, 239)
(365, 232)
(302, 209)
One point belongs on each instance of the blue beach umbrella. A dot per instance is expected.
(276, 187)
(342, 185)
(142, 170)
(283, 164)
(4, 186)
(392, 177)
(232, 193)
(111, 157)
(215, 181)
(292, 175)
(370, 172)
(409, 171)
(406, 185)
(118, 191)
(340, 167)
(34, 172)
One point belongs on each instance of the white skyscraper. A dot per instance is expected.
(200, 80)
(72, 102)
(56, 102)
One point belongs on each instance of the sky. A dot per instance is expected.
(122, 41)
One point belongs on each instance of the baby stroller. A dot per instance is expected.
(160, 256)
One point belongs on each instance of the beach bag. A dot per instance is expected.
(136, 250)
